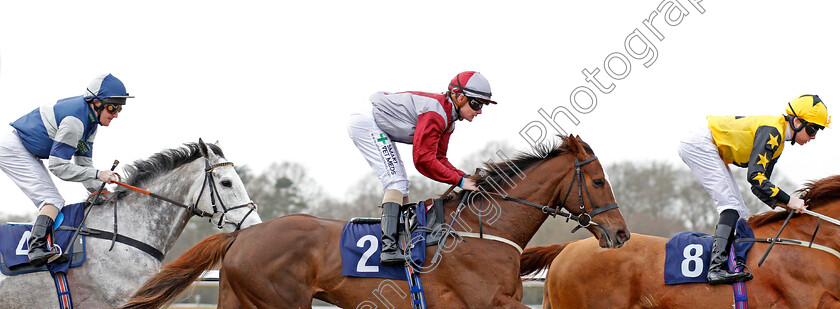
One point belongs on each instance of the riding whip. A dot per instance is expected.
(87, 212)
(773, 241)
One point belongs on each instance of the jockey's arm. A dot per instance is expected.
(65, 145)
(427, 139)
(761, 164)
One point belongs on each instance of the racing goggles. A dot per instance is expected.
(476, 104)
(812, 129)
(113, 108)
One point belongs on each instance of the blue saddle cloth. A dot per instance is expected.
(687, 254)
(14, 244)
(360, 249)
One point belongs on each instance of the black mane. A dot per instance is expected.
(142, 171)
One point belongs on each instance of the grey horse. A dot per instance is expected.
(108, 278)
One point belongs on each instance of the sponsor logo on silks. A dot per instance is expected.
(382, 138)
(387, 153)
(82, 147)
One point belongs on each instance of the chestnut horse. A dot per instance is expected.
(288, 261)
(790, 277)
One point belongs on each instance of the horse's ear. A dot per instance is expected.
(576, 147)
(203, 148)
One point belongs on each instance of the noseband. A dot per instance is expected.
(584, 219)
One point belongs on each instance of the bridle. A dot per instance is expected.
(214, 191)
(584, 219)
(219, 212)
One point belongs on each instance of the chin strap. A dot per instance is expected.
(790, 123)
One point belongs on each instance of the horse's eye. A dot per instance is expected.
(227, 183)
(599, 183)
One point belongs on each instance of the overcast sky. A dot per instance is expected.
(276, 81)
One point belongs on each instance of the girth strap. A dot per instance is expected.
(95, 233)
(490, 237)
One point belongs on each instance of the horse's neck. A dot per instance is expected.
(828, 233)
(512, 220)
(149, 220)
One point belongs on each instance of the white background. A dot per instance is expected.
(276, 81)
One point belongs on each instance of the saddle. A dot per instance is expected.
(687, 254)
(434, 219)
(14, 244)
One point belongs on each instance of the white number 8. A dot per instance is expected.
(692, 253)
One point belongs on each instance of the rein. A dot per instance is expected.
(784, 241)
(193, 209)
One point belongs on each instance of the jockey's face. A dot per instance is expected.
(802, 136)
(106, 116)
(465, 110)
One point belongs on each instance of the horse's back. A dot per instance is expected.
(290, 250)
(586, 276)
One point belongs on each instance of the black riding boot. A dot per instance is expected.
(40, 240)
(718, 268)
(391, 253)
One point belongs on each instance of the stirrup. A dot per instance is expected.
(55, 248)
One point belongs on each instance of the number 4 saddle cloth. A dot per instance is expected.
(14, 243)
(687, 254)
(360, 247)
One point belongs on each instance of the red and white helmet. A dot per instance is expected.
(471, 84)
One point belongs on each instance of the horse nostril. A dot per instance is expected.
(623, 236)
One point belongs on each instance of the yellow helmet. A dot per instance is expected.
(810, 108)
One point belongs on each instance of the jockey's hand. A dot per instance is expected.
(796, 204)
(108, 176)
(103, 198)
(469, 184)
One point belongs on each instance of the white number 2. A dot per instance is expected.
(692, 253)
(362, 266)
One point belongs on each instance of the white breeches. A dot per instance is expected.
(379, 151)
(699, 152)
(27, 171)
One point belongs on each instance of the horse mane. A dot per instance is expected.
(816, 194)
(498, 173)
(142, 171)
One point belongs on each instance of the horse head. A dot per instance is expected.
(199, 178)
(555, 178)
(589, 196)
(220, 194)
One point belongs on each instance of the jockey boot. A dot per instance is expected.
(391, 253)
(718, 266)
(40, 241)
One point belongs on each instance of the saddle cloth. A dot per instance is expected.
(14, 244)
(360, 247)
(687, 254)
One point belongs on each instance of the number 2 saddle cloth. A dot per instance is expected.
(360, 247)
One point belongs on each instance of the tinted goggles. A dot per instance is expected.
(812, 129)
(113, 108)
(114, 105)
(476, 104)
